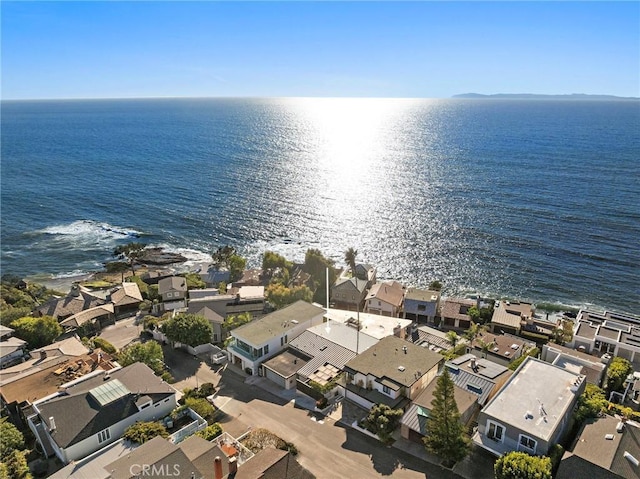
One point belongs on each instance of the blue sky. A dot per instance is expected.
(362, 49)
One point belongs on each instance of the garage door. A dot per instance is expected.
(275, 377)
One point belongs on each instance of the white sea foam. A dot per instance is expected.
(90, 231)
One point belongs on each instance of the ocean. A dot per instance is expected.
(526, 199)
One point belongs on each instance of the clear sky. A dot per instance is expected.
(364, 49)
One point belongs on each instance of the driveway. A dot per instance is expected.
(327, 448)
(124, 332)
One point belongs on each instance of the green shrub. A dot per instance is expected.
(210, 432)
(141, 432)
(103, 344)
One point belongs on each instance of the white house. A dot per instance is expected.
(95, 410)
(255, 342)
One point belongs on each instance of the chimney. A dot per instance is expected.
(43, 355)
(217, 468)
(233, 465)
(75, 290)
(52, 423)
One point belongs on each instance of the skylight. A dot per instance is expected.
(109, 392)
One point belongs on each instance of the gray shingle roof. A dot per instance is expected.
(78, 415)
(389, 359)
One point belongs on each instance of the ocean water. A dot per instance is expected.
(538, 200)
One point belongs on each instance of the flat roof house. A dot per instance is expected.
(391, 372)
(499, 348)
(532, 411)
(95, 411)
(593, 367)
(609, 332)
(257, 341)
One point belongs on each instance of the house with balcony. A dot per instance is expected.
(255, 342)
(532, 411)
(385, 299)
(421, 305)
(392, 372)
(89, 413)
(614, 333)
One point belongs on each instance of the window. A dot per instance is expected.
(169, 295)
(145, 406)
(281, 341)
(286, 338)
(103, 436)
(421, 307)
(526, 444)
(386, 390)
(379, 303)
(215, 337)
(495, 431)
(266, 349)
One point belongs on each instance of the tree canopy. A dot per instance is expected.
(617, 372)
(191, 329)
(280, 296)
(130, 252)
(228, 257)
(11, 439)
(435, 285)
(382, 420)
(149, 353)
(350, 258)
(316, 265)
(37, 332)
(234, 321)
(520, 465)
(591, 403)
(445, 434)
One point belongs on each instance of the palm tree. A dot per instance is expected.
(350, 259)
(452, 337)
(485, 346)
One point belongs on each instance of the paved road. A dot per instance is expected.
(326, 448)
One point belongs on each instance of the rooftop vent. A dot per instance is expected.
(609, 437)
(514, 346)
(620, 426)
(631, 459)
(294, 321)
(52, 423)
(507, 353)
(404, 349)
(401, 368)
(528, 415)
(496, 349)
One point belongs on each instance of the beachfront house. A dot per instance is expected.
(126, 300)
(511, 316)
(385, 299)
(76, 301)
(454, 313)
(94, 411)
(532, 411)
(421, 305)
(392, 372)
(499, 348)
(349, 293)
(256, 342)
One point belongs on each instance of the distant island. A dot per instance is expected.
(533, 96)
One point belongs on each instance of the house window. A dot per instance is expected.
(266, 349)
(421, 307)
(169, 295)
(103, 436)
(215, 337)
(281, 341)
(379, 303)
(526, 444)
(386, 390)
(495, 431)
(286, 338)
(145, 406)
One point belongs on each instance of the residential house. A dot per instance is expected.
(392, 372)
(75, 302)
(349, 293)
(126, 299)
(271, 463)
(44, 375)
(152, 276)
(431, 338)
(257, 341)
(511, 316)
(98, 317)
(479, 376)
(214, 276)
(617, 334)
(454, 313)
(372, 324)
(366, 272)
(12, 350)
(247, 299)
(318, 354)
(5, 332)
(532, 411)
(593, 367)
(605, 448)
(385, 298)
(413, 425)
(217, 322)
(95, 411)
(250, 277)
(421, 305)
(173, 291)
(499, 348)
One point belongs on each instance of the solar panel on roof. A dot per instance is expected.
(109, 392)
